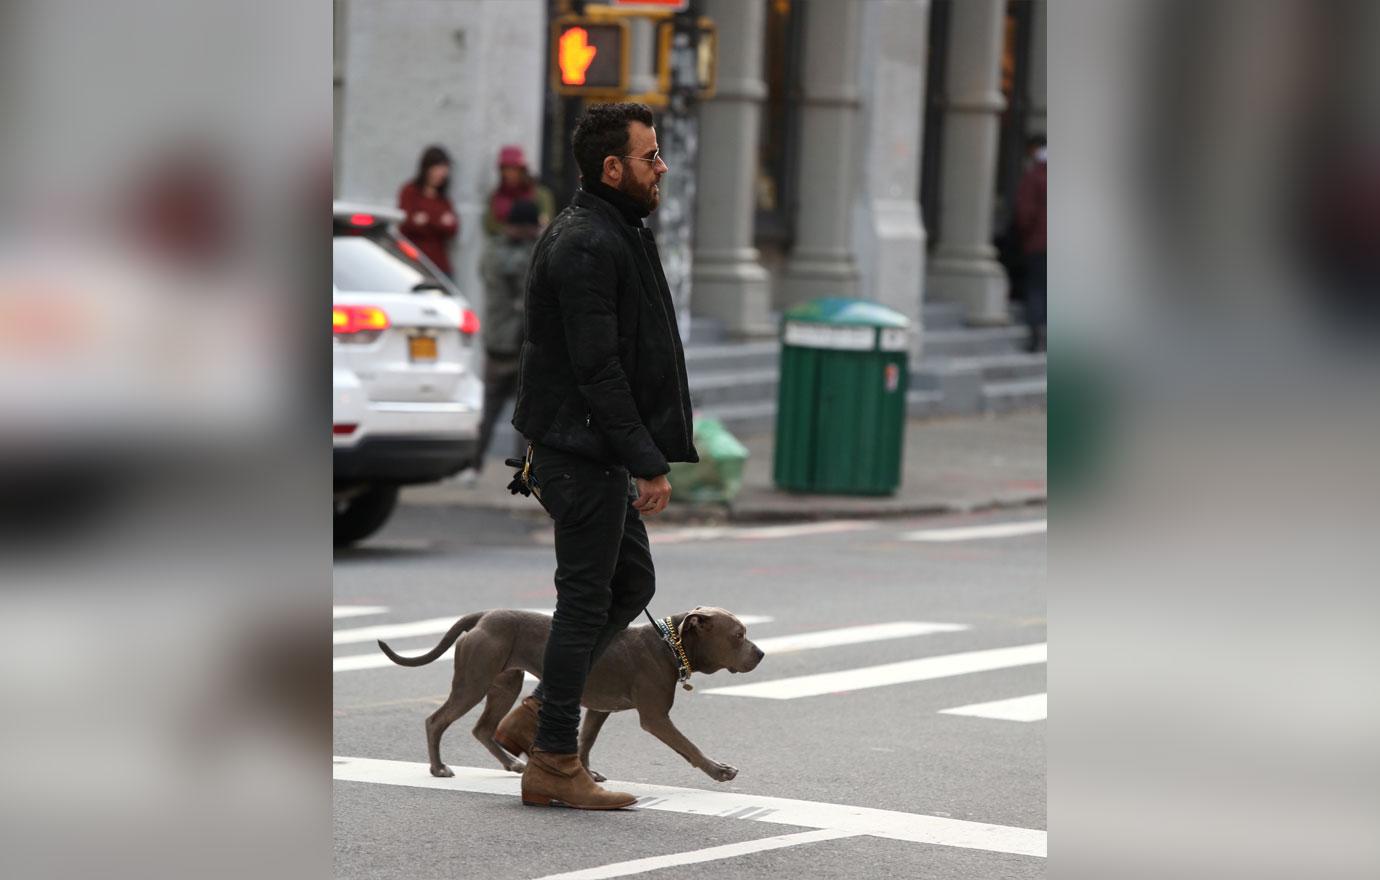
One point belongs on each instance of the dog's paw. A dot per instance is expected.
(518, 765)
(442, 771)
(723, 772)
(596, 775)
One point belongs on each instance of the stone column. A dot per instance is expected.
(889, 233)
(1037, 120)
(964, 267)
(729, 282)
(823, 262)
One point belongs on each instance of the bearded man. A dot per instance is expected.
(604, 402)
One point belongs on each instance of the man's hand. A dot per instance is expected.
(652, 495)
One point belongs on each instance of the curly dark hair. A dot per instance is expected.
(603, 131)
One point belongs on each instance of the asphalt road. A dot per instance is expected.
(865, 590)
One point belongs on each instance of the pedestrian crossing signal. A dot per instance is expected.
(589, 58)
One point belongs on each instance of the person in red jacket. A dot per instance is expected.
(430, 221)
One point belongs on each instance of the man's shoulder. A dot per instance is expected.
(578, 228)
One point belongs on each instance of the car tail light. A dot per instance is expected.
(469, 323)
(357, 319)
(340, 429)
(361, 219)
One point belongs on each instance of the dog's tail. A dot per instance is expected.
(462, 626)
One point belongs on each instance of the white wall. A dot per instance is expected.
(467, 74)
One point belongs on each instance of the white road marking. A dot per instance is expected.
(852, 635)
(756, 533)
(894, 825)
(972, 533)
(339, 611)
(393, 630)
(695, 857)
(804, 529)
(924, 669)
(376, 659)
(1032, 708)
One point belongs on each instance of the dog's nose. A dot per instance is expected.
(760, 654)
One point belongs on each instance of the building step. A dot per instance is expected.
(737, 386)
(743, 418)
(1019, 394)
(941, 315)
(993, 367)
(732, 356)
(706, 331)
(974, 341)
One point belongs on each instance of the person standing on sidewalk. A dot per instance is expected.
(1031, 213)
(519, 209)
(603, 400)
(430, 222)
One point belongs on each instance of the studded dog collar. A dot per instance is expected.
(672, 640)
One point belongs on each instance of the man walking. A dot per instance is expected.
(603, 398)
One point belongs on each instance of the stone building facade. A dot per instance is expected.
(853, 147)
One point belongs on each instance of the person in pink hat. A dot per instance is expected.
(519, 209)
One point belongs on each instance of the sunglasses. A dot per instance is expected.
(656, 157)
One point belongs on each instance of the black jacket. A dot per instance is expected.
(602, 371)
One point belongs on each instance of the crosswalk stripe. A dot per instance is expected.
(890, 824)
(853, 635)
(339, 611)
(756, 533)
(393, 630)
(972, 533)
(924, 669)
(699, 856)
(1032, 708)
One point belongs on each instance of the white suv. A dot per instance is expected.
(407, 394)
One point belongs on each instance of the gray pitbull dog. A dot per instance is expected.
(636, 671)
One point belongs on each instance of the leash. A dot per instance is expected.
(672, 640)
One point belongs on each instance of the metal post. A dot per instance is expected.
(679, 139)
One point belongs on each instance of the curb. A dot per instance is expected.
(715, 513)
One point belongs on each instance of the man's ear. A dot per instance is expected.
(613, 168)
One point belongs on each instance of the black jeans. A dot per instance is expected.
(604, 578)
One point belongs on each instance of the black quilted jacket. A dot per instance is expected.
(603, 371)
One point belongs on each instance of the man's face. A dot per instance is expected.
(641, 175)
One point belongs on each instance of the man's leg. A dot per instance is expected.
(634, 580)
(633, 585)
(587, 501)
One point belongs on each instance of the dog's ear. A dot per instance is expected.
(697, 622)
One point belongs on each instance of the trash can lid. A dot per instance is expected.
(846, 312)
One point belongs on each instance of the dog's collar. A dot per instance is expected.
(672, 639)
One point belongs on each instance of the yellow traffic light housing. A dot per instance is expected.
(589, 57)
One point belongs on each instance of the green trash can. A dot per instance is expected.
(841, 402)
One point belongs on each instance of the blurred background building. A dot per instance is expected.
(867, 148)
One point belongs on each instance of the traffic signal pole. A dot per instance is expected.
(678, 135)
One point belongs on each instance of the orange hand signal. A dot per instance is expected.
(575, 55)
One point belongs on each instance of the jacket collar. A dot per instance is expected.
(614, 204)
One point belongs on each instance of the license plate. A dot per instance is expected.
(422, 348)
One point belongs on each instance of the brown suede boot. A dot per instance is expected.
(518, 728)
(553, 779)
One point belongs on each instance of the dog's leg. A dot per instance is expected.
(589, 731)
(464, 696)
(659, 725)
(503, 693)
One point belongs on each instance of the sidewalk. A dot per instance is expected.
(951, 465)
